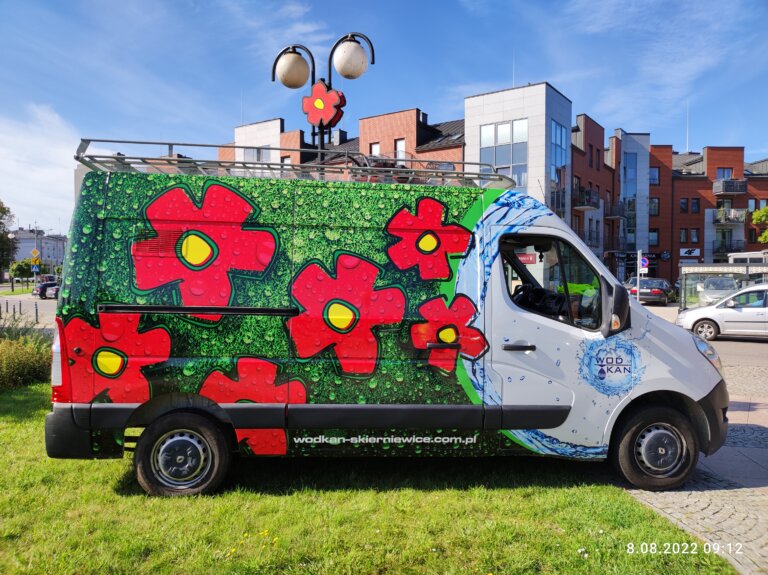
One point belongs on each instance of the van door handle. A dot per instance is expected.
(437, 345)
(519, 347)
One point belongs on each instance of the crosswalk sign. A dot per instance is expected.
(35, 269)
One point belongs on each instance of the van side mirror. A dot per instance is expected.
(730, 303)
(616, 317)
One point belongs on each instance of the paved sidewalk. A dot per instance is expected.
(726, 502)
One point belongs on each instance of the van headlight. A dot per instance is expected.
(706, 349)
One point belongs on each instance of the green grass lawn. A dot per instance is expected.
(500, 516)
(16, 291)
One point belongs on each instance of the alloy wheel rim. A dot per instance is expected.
(705, 330)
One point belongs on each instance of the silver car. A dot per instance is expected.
(716, 288)
(743, 313)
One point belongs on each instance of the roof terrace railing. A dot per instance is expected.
(259, 162)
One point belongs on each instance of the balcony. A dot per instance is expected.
(614, 212)
(591, 238)
(722, 247)
(724, 216)
(584, 200)
(729, 187)
(616, 244)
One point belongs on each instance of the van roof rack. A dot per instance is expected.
(265, 162)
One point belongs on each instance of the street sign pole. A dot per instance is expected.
(639, 265)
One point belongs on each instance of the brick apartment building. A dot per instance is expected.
(620, 195)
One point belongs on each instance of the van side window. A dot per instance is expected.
(549, 277)
(750, 299)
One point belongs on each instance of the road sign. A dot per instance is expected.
(35, 253)
(643, 271)
(35, 269)
(35, 261)
(644, 262)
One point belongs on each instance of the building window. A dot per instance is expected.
(256, 154)
(591, 150)
(505, 147)
(400, 151)
(577, 183)
(558, 167)
(752, 235)
(683, 235)
(285, 160)
(762, 204)
(653, 207)
(695, 206)
(375, 149)
(653, 237)
(683, 205)
(653, 176)
(598, 159)
(751, 205)
(724, 173)
(694, 235)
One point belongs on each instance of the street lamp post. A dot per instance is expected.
(11, 236)
(324, 105)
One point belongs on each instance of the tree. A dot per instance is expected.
(760, 217)
(22, 269)
(7, 245)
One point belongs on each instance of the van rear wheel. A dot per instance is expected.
(657, 449)
(181, 454)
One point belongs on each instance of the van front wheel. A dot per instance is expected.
(657, 449)
(181, 454)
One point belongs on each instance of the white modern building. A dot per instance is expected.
(525, 133)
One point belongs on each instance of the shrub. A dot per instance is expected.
(23, 361)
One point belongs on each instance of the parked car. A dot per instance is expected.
(276, 318)
(654, 290)
(716, 288)
(743, 313)
(52, 292)
(40, 289)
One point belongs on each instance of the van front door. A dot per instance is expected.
(545, 302)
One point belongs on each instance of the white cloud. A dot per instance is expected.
(37, 167)
(674, 49)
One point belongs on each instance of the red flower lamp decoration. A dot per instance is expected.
(324, 106)
(448, 325)
(425, 241)
(341, 312)
(198, 246)
(112, 355)
(255, 382)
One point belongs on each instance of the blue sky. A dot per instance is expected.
(187, 70)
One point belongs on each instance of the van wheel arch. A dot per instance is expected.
(678, 401)
(165, 404)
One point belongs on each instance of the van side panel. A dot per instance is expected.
(321, 306)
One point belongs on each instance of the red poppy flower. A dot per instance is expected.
(324, 106)
(340, 312)
(448, 325)
(112, 356)
(425, 241)
(255, 383)
(199, 246)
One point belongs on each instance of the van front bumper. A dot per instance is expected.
(715, 407)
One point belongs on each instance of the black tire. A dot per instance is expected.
(706, 329)
(657, 449)
(42, 296)
(181, 454)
